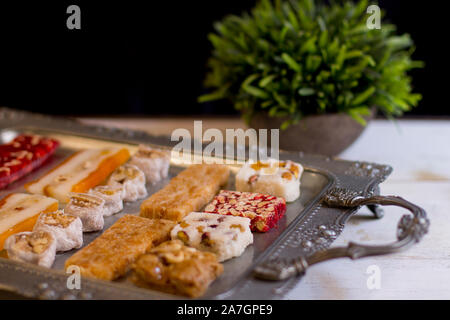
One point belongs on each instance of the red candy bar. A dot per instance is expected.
(263, 210)
(22, 155)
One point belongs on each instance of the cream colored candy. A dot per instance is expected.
(131, 179)
(154, 163)
(89, 209)
(226, 236)
(38, 247)
(272, 177)
(66, 229)
(112, 196)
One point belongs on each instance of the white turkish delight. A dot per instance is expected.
(67, 230)
(226, 236)
(38, 247)
(154, 163)
(276, 178)
(131, 179)
(89, 209)
(112, 196)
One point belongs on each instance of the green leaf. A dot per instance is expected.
(290, 62)
(256, 92)
(266, 80)
(306, 91)
(363, 96)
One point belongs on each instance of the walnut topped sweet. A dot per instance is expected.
(175, 268)
(38, 247)
(89, 208)
(131, 179)
(154, 163)
(65, 228)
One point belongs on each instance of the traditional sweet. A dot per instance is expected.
(226, 236)
(79, 173)
(263, 210)
(22, 155)
(189, 191)
(154, 163)
(89, 209)
(67, 230)
(174, 268)
(112, 196)
(277, 178)
(38, 247)
(19, 212)
(109, 256)
(131, 179)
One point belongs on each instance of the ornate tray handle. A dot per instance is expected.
(410, 230)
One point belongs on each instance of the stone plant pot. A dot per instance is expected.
(327, 134)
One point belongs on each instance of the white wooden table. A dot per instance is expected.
(419, 151)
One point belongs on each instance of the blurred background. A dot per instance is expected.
(150, 59)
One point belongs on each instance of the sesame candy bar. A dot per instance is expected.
(226, 236)
(109, 256)
(263, 210)
(189, 191)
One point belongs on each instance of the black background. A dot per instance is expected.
(136, 58)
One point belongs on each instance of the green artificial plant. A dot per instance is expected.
(292, 58)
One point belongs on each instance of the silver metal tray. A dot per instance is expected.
(331, 191)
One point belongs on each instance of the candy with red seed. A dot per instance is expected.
(263, 210)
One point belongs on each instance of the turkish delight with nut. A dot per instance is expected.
(110, 255)
(263, 210)
(154, 163)
(67, 230)
(131, 179)
(89, 209)
(37, 247)
(277, 178)
(175, 268)
(226, 236)
(112, 196)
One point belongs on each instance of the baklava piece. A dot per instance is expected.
(277, 178)
(174, 268)
(226, 236)
(112, 196)
(110, 255)
(38, 247)
(189, 191)
(263, 210)
(131, 179)
(154, 163)
(89, 209)
(67, 230)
